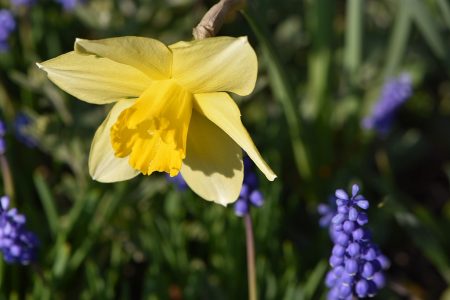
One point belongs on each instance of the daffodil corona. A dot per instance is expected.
(172, 112)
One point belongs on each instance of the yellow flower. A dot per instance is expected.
(172, 112)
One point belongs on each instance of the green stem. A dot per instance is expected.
(353, 36)
(251, 270)
(7, 177)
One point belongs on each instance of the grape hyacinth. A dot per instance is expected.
(2, 138)
(250, 195)
(178, 181)
(69, 5)
(326, 212)
(17, 244)
(7, 25)
(357, 263)
(24, 3)
(395, 92)
(22, 123)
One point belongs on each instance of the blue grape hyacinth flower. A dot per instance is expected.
(326, 212)
(395, 92)
(357, 264)
(24, 3)
(2, 138)
(17, 244)
(22, 123)
(249, 195)
(2, 128)
(7, 25)
(178, 181)
(69, 5)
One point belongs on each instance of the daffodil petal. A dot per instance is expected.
(213, 165)
(148, 55)
(215, 64)
(103, 165)
(223, 111)
(94, 79)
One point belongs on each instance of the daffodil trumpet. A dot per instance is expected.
(172, 111)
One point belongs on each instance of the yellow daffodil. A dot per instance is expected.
(172, 112)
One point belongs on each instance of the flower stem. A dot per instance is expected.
(251, 270)
(7, 178)
(214, 18)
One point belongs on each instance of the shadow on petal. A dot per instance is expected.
(213, 165)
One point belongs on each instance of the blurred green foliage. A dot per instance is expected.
(322, 64)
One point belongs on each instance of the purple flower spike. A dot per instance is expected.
(338, 219)
(2, 146)
(256, 198)
(4, 203)
(2, 134)
(357, 264)
(338, 250)
(351, 266)
(21, 125)
(355, 190)
(341, 194)
(69, 5)
(327, 212)
(17, 244)
(379, 280)
(249, 195)
(395, 92)
(241, 208)
(178, 181)
(2, 128)
(370, 254)
(353, 249)
(362, 288)
(7, 26)
(364, 204)
(25, 3)
(353, 214)
(331, 279)
(362, 218)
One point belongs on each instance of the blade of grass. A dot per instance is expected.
(425, 241)
(61, 258)
(418, 231)
(316, 106)
(114, 270)
(398, 40)
(314, 280)
(427, 25)
(2, 272)
(48, 203)
(80, 203)
(5, 103)
(444, 7)
(284, 92)
(353, 37)
(60, 250)
(104, 212)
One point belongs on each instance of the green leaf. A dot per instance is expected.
(353, 37)
(315, 279)
(398, 40)
(284, 92)
(427, 25)
(445, 9)
(48, 203)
